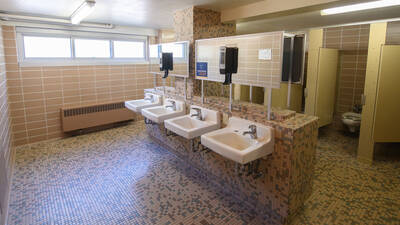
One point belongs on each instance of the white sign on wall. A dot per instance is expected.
(265, 54)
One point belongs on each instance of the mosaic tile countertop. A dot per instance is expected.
(119, 176)
(289, 168)
(255, 112)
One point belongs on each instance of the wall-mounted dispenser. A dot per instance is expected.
(228, 62)
(166, 63)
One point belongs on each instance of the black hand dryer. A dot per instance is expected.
(166, 63)
(228, 62)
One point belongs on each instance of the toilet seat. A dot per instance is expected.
(352, 120)
(352, 116)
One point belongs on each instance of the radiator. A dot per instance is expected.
(75, 118)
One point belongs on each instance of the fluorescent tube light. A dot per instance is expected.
(359, 7)
(83, 11)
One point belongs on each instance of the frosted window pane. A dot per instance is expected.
(47, 47)
(128, 49)
(176, 49)
(87, 48)
(153, 51)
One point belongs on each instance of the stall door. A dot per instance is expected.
(321, 86)
(387, 106)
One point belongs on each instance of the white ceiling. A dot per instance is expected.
(159, 13)
(314, 19)
(142, 13)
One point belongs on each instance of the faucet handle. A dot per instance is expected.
(196, 109)
(149, 97)
(253, 127)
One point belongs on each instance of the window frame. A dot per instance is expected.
(21, 45)
(73, 48)
(73, 60)
(176, 43)
(145, 46)
(185, 51)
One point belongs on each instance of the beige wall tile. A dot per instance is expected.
(353, 44)
(38, 93)
(37, 138)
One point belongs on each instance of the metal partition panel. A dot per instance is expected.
(326, 85)
(387, 107)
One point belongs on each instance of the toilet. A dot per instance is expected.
(352, 120)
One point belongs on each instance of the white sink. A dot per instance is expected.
(160, 113)
(150, 100)
(232, 144)
(190, 127)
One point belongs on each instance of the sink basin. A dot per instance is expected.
(232, 144)
(191, 127)
(138, 105)
(158, 114)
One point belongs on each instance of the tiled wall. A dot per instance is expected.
(196, 23)
(36, 94)
(352, 41)
(5, 136)
(393, 33)
(166, 35)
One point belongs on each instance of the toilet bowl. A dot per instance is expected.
(352, 121)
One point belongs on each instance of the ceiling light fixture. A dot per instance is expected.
(82, 11)
(48, 20)
(359, 7)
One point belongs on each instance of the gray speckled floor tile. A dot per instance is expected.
(119, 176)
(115, 176)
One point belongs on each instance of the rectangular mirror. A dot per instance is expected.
(180, 52)
(259, 59)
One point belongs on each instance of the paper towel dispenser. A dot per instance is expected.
(228, 62)
(166, 63)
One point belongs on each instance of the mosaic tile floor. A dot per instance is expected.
(119, 176)
(348, 192)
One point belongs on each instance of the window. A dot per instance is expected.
(46, 47)
(128, 49)
(177, 49)
(89, 48)
(153, 51)
(43, 47)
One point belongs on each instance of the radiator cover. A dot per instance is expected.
(86, 116)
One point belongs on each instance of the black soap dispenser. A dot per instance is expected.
(228, 62)
(166, 63)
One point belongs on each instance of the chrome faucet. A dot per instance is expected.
(197, 114)
(150, 98)
(252, 131)
(173, 105)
